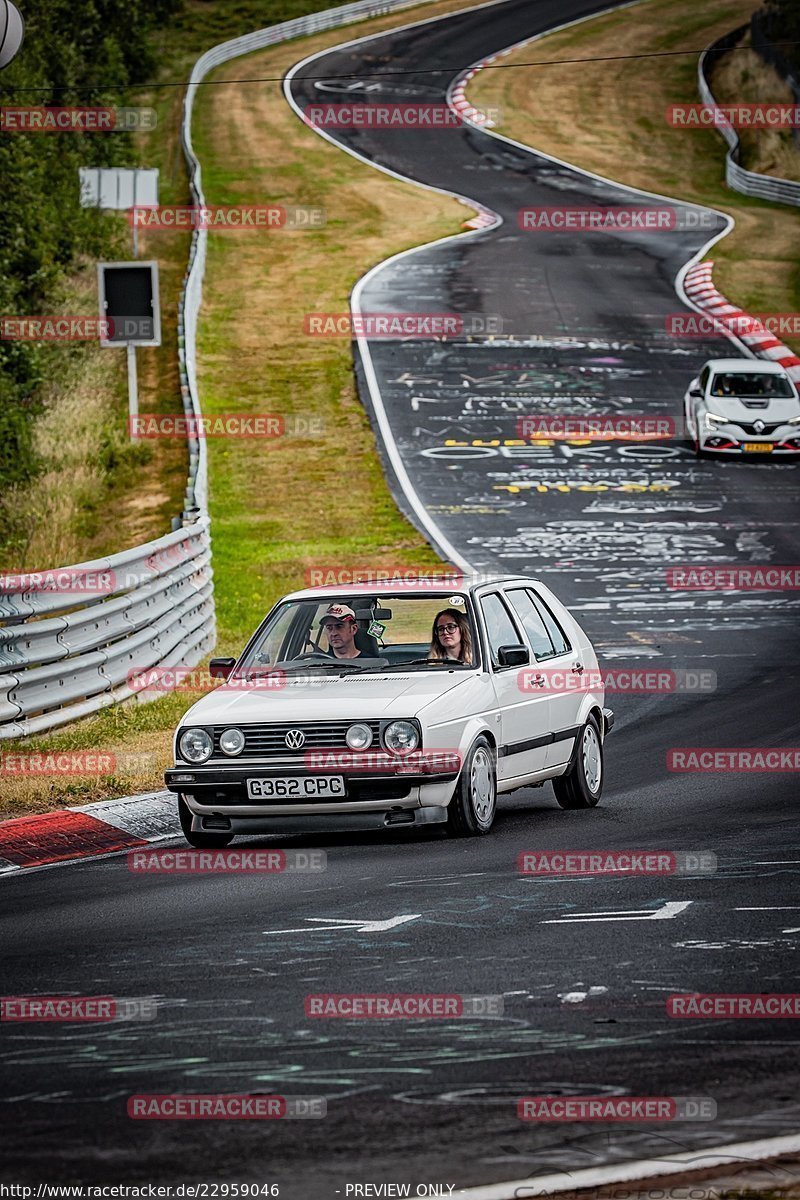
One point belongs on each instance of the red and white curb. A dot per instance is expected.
(457, 99)
(70, 834)
(699, 288)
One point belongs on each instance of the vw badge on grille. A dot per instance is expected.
(295, 738)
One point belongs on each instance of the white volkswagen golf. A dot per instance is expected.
(375, 706)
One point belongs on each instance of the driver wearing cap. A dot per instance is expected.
(341, 627)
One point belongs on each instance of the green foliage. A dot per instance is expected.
(73, 54)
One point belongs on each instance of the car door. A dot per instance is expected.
(524, 714)
(562, 670)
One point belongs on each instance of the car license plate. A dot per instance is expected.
(757, 447)
(295, 787)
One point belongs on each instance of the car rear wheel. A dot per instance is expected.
(472, 810)
(201, 841)
(582, 785)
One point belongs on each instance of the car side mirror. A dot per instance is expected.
(513, 656)
(220, 668)
(696, 392)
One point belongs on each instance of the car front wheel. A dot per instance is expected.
(201, 841)
(472, 810)
(582, 784)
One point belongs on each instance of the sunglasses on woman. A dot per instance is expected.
(446, 628)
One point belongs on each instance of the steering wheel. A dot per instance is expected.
(317, 655)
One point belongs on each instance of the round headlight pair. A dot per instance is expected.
(401, 737)
(196, 745)
(358, 737)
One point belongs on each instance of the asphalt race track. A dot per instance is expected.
(584, 966)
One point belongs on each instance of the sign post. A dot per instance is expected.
(129, 303)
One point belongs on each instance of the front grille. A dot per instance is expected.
(269, 741)
(751, 430)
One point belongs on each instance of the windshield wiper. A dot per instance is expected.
(309, 667)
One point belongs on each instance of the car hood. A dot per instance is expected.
(328, 698)
(735, 410)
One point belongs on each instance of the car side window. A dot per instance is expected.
(704, 374)
(499, 626)
(556, 633)
(526, 610)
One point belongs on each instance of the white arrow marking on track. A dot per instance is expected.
(327, 924)
(670, 909)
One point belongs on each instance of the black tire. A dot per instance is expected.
(472, 810)
(201, 841)
(582, 785)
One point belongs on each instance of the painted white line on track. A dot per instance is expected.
(630, 1172)
(671, 909)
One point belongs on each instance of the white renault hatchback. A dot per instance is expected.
(373, 706)
(743, 406)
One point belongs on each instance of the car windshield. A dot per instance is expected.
(751, 384)
(358, 633)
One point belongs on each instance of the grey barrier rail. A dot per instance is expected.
(750, 183)
(72, 638)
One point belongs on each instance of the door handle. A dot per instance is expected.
(578, 667)
(538, 680)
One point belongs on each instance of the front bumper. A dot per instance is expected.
(732, 441)
(317, 822)
(227, 783)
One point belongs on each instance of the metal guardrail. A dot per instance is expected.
(68, 651)
(750, 183)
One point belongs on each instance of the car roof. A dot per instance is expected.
(468, 583)
(746, 365)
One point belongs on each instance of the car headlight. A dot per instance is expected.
(401, 737)
(713, 421)
(195, 745)
(231, 741)
(793, 421)
(358, 737)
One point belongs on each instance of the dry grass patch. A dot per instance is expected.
(742, 77)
